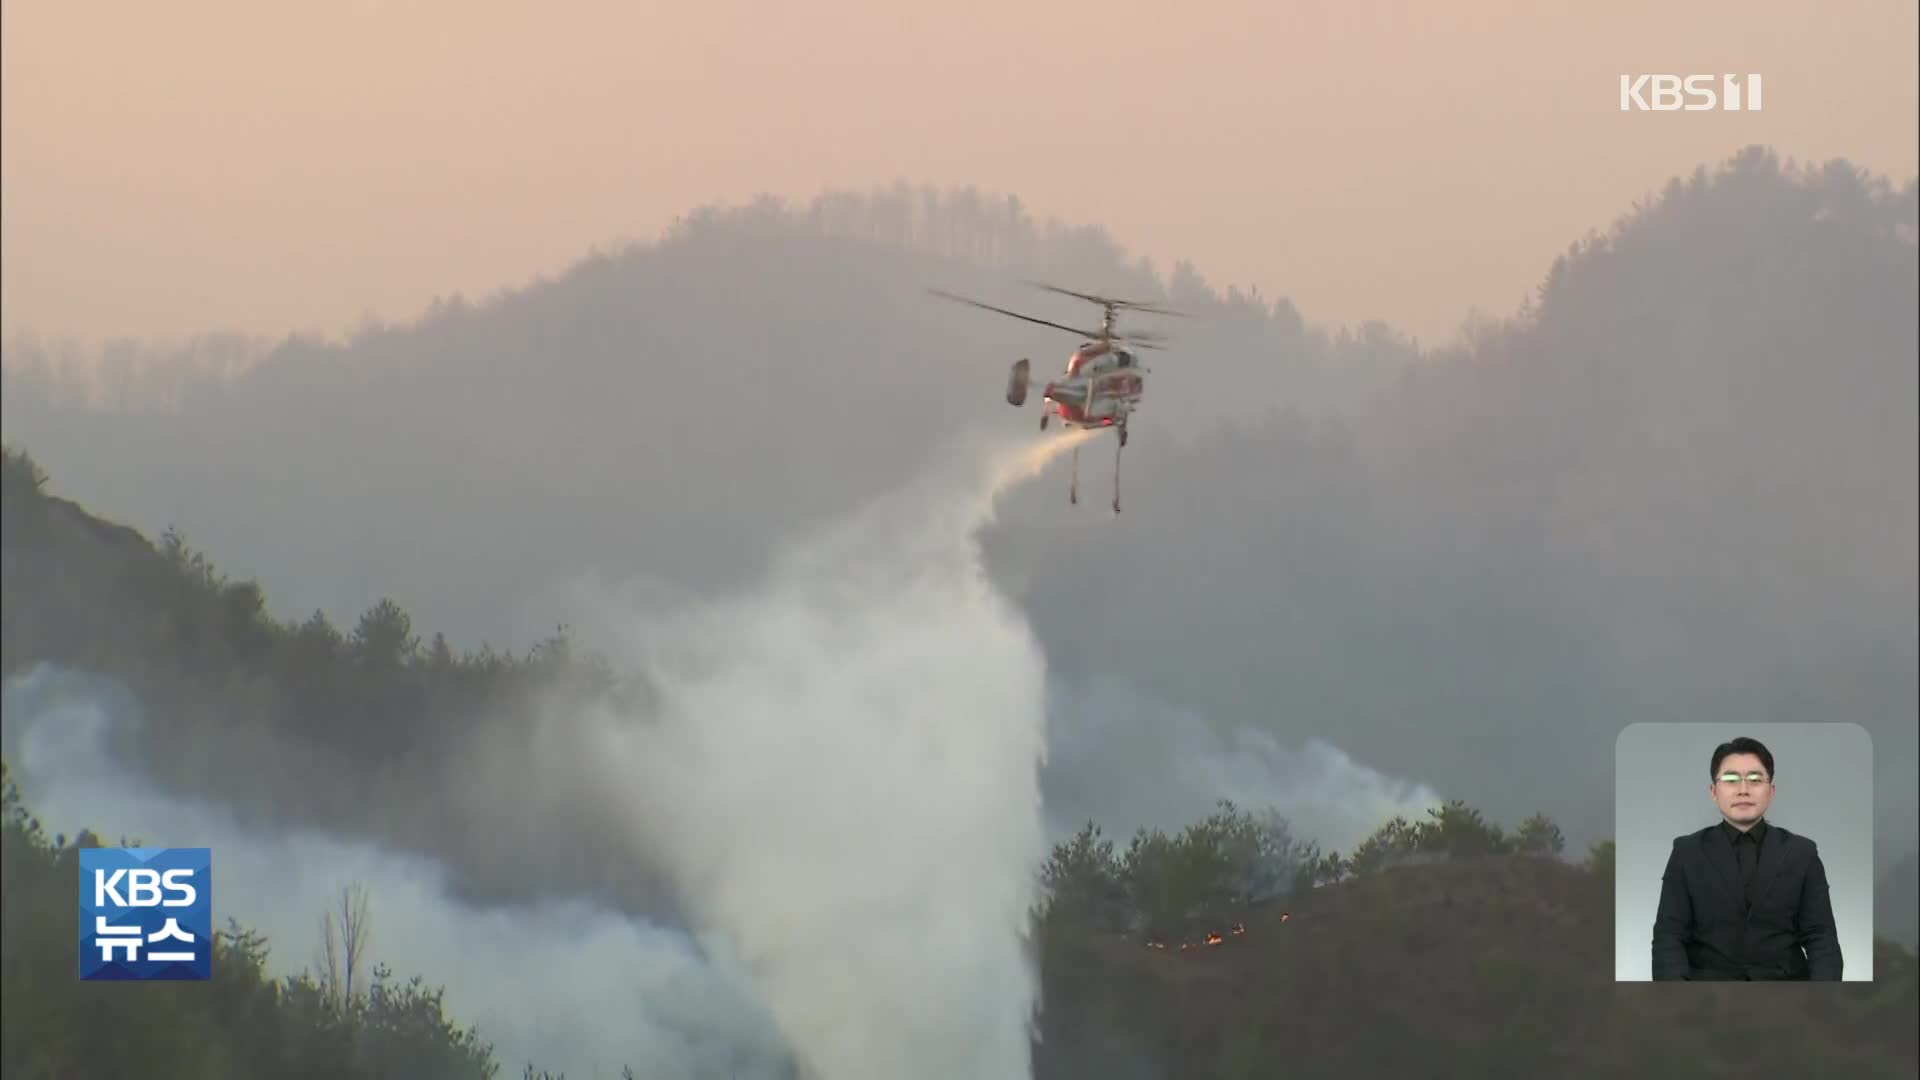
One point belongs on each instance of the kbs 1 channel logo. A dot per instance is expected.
(146, 914)
(1690, 93)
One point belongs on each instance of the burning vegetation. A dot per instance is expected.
(1512, 938)
(1213, 938)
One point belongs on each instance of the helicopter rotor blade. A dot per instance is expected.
(1105, 301)
(1017, 315)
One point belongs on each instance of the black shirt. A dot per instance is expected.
(1746, 849)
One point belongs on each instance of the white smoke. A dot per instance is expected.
(567, 987)
(1124, 761)
(842, 775)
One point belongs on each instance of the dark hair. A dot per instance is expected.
(1741, 745)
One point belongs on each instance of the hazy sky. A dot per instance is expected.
(203, 164)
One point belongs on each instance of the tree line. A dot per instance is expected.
(1181, 885)
(347, 1015)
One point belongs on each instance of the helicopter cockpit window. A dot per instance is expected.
(1123, 359)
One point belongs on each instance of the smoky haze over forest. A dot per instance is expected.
(1679, 486)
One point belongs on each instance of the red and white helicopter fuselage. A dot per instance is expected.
(1103, 381)
(1100, 388)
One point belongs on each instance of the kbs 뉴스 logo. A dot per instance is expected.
(146, 913)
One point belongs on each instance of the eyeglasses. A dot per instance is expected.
(1732, 779)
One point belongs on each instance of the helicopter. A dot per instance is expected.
(1102, 383)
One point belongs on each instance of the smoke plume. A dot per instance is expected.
(566, 986)
(842, 775)
(1122, 760)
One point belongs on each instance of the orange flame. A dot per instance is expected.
(1212, 938)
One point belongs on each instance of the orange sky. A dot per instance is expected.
(198, 164)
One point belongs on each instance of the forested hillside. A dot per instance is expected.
(369, 730)
(1232, 948)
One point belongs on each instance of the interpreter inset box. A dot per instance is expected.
(1743, 852)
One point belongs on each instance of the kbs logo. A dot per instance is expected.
(146, 913)
(1688, 93)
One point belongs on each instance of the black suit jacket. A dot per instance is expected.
(1704, 930)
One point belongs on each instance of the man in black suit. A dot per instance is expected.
(1744, 899)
